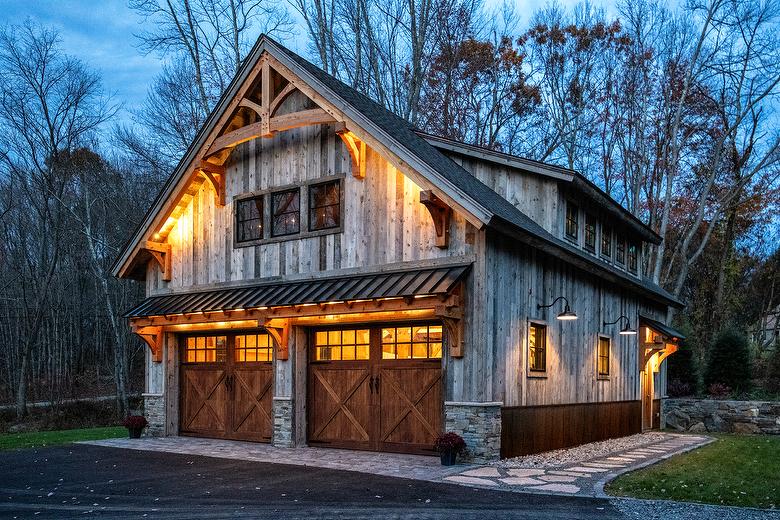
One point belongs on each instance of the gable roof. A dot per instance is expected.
(490, 208)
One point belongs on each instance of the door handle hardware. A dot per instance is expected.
(376, 384)
(371, 384)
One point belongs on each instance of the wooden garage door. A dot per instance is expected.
(227, 386)
(376, 388)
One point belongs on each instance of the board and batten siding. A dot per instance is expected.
(517, 278)
(383, 220)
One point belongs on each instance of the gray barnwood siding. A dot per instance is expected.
(384, 221)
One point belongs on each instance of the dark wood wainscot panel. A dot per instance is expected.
(534, 429)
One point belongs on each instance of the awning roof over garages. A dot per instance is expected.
(661, 328)
(430, 281)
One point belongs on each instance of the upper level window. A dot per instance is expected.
(606, 241)
(603, 356)
(572, 220)
(620, 251)
(286, 212)
(632, 257)
(325, 205)
(537, 347)
(590, 232)
(249, 219)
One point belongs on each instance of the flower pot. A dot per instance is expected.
(135, 433)
(448, 458)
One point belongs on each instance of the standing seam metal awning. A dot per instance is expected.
(432, 281)
(660, 327)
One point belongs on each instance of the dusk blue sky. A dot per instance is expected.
(101, 33)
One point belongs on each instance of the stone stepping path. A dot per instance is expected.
(584, 477)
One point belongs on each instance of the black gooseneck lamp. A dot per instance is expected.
(626, 330)
(566, 315)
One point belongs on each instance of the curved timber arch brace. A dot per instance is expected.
(153, 337)
(279, 329)
(161, 252)
(451, 317)
(440, 213)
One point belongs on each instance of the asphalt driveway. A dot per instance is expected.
(80, 481)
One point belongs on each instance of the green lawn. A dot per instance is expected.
(735, 470)
(10, 441)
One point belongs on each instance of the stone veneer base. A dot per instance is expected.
(154, 411)
(480, 426)
(283, 422)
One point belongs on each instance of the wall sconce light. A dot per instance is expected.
(626, 330)
(566, 315)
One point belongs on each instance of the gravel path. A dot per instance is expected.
(558, 458)
(664, 510)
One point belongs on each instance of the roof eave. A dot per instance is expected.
(583, 261)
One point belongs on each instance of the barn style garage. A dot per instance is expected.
(319, 272)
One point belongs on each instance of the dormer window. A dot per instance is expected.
(632, 258)
(572, 221)
(606, 241)
(590, 232)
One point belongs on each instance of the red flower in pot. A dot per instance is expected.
(135, 425)
(449, 445)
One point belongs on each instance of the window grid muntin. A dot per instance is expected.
(253, 347)
(286, 212)
(422, 342)
(537, 347)
(205, 349)
(603, 356)
(590, 232)
(633, 257)
(572, 220)
(606, 241)
(348, 344)
(332, 205)
(249, 219)
(620, 251)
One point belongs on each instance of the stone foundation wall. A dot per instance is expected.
(709, 415)
(154, 411)
(480, 426)
(283, 422)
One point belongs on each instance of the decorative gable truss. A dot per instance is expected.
(258, 110)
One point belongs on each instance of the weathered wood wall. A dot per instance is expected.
(384, 221)
(506, 288)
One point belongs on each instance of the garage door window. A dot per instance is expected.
(341, 345)
(420, 342)
(254, 347)
(205, 349)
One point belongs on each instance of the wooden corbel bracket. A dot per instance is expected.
(153, 337)
(356, 149)
(215, 174)
(451, 317)
(668, 351)
(162, 253)
(440, 213)
(281, 335)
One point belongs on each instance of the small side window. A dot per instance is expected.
(590, 232)
(286, 212)
(572, 220)
(633, 257)
(603, 357)
(620, 251)
(606, 241)
(537, 347)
